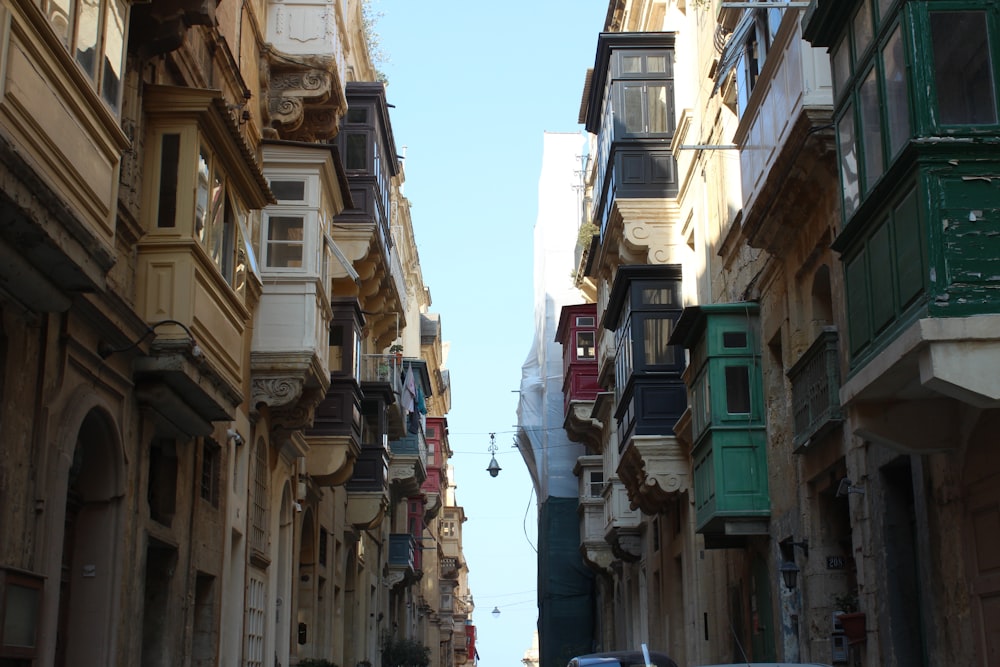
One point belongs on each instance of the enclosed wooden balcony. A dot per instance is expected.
(815, 379)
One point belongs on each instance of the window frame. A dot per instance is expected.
(314, 243)
(864, 61)
(991, 15)
(102, 66)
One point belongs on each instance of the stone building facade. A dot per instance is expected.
(224, 394)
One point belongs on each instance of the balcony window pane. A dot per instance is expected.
(897, 112)
(58, 13)
(289, 190)
(657, 101)
(87, 26)
(284, 241)
(871, 128)
(585, 345)
(656, 331)
(656, 64)
(883, 9)
(633, 109)
(734, 339)
(738, 390)
(335, 350)
(166, 214)
(657, 296)
(963, 74)
(862, 29)
(357, 153)
(631, 64)
(848, 161)
(214, 234)
(841, 65)
(357, 115)
(114, 48)
(202, 197)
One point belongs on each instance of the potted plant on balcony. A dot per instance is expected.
(397, 349)
(851, 620)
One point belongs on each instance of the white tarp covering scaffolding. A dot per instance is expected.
(548, 453)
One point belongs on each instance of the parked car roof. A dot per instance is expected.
(769, 664)
(622, 659)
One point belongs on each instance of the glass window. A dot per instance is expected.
(883, 8)
(166, 214)
(848, 161)
(202, 197)
(87, 24)
(285, 241)
(357, 153)
(93, 31)
(585, 321)
(596, 483)
(585, 345)
(657, 108)
(963, 74)
(58, 14)
(212, 239)
(289, 190)
(734, 339)
(863, 29)
(357, 115)
(633, 108)
(896, 105)
(631, 64)
(114, 51)
(738, 390)
(657, 333)
(871, 129)
(657, 296)
(841, 65)
(258, 499)
(656, 64)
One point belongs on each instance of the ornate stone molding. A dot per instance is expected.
(405, 475)
(598, 556)
(626, 544)
(581, 427)
(305, 96)
(654, 470)
(275, 391)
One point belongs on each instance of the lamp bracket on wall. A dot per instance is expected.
(105, 350)
(846, 488)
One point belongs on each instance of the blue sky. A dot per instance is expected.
(475, 84)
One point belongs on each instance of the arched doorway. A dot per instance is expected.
(89, 567)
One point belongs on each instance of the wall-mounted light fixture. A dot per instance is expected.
(789, 573)
(788, 569)
(493, 468)
(105, 350)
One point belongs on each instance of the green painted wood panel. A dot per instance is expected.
(881, 282)
(859, 329)
(911, 250)
(730, 478)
